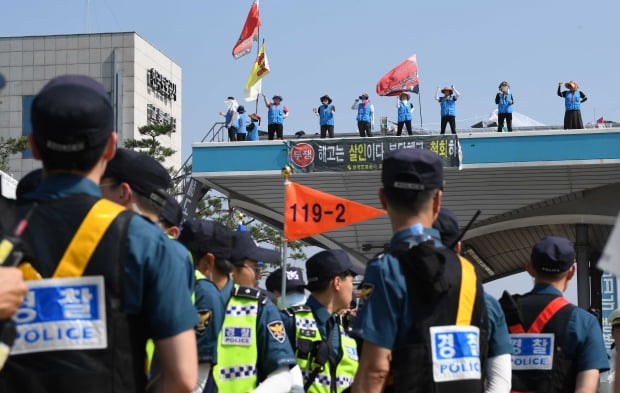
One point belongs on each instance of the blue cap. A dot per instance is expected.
(447, 225)
(294, 279)
(206, 236)
(171, 212)
(553, 254)
(72, 113)
(328, 264)
(144, 174)
(412, 169)
(244, 247)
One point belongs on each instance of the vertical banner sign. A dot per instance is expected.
(310, 212)
(609, 302)
(194, 192)
(357, 154)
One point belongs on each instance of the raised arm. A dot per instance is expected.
(355, 103)
(265, 99)
(583, 96)
(559, 89)
(456, 93)
(437, 93)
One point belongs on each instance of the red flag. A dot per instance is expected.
(600, 120)
(404, 77)
(310, 212)
(249, 34)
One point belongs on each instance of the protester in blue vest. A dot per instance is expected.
(276, 113)
(365, 115)
(326, 116)
(504, 101)
(252, 127)
(231, 121)
(242, 132)
(405, 110)
(573, 97)
(448, 107)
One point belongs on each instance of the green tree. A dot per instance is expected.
(11, 146)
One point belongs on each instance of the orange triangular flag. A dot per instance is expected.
(310, 212)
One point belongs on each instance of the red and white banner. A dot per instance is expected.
(249, 34)
(403, 78)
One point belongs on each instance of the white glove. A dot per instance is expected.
(278, 381)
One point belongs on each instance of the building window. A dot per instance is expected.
(26, 124)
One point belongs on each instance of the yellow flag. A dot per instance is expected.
(259, 70)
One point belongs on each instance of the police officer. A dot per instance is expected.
(248, 259)
(557, 347)
(326, 354)
(104, 269)
(210, 244)
(498, 370)
(423, 315)
(170, 217)
(247, 343)
(295, 286)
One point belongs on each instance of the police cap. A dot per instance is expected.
(72, 113)
(206, 236)
(294, 279)
(244, 247)
(171, 212)
(412, 169)
(553, 254)
(326, 265)
(447, 225)
(144, 174)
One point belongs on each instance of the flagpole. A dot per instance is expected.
(420, 105)
(286, 173)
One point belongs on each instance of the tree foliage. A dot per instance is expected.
(9, 146)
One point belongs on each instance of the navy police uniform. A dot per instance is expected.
(565, 339)
(83, 326)
(420, 301)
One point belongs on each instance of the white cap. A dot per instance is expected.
(614, 317)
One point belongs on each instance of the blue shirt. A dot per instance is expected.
(448, 106)
(584, 338)
(498, 336)
(212, 300)
(380, 319)
(321, 316)
(155, 281)
(242, 122)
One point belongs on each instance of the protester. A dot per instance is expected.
(551, 321)
(242, 131)
(100, 256)
(405, 110)
(231, 121)
(365, 115)
(326, 112)
(325, 353)
(295, 286)
(252, 127)
(413, 294)
(573, 97)
(504, 101)
(276, 113)
(448, 107)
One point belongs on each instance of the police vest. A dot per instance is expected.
(275, 114)
(447, 347)
(537, 325)
(448, 106)
(572, 100)
(363, 112)
(504, 105)
(308, 342)
(72, 333)
(404, 111)
(326, 116)
(237, 347)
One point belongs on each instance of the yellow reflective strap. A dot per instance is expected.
(467, 293)
(85, 241)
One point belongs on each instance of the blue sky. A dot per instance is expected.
(343, 47)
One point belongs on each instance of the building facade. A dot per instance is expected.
(144, 84)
